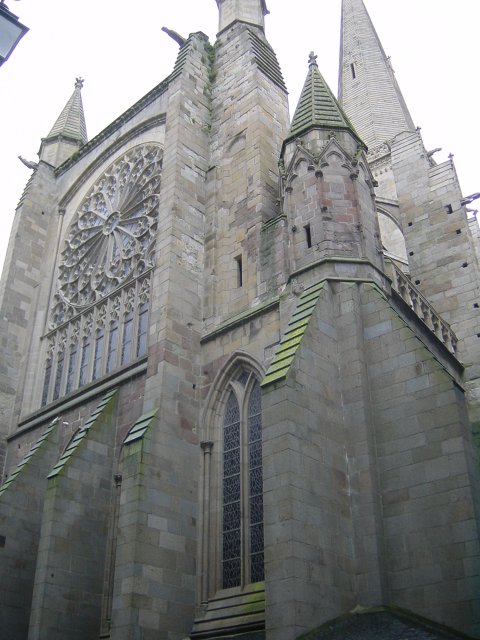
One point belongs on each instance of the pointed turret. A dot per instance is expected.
(317, 106)
(368, 90)
(327, 184)
(68, 133)
(250, 11)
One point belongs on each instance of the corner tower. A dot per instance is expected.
(358, 369)
(328, 188)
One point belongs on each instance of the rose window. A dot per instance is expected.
(111, 238)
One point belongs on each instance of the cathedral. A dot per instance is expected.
(240, 362)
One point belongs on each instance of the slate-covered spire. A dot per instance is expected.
(368, 90)
(71, 122)
(317, 106)
(250, 11)
(68, 133)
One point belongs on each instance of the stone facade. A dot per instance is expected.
(226, 408)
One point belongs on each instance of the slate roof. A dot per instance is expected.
(71, 122)
(290, 342)
(140, 427)
(381, 625)
(79, 436)
(23, 463)
(317, 106)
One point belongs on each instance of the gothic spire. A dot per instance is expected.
(71, 122)
(317, 106)
(368, 90)
(250, 11)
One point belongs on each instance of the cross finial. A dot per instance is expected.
(312, 60)
(79, 83)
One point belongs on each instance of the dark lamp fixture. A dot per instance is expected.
(11, 31)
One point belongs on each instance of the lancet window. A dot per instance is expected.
(242, 484)
(242, 501)
(93, 345)
(99, 319)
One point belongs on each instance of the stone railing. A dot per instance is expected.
(421, 307)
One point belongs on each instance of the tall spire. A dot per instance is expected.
(250, 11)
(71, 122)
(317, 106)
(68, 133)
(368, 90)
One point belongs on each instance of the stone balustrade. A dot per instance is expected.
(422, 308)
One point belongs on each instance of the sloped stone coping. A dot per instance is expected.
(382, 624)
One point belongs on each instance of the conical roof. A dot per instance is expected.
(71, 122)
(317, 106)
(368, 90)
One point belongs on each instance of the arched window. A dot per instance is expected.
(72, 365)
(242, 484)
(100, 309)
(231, 547)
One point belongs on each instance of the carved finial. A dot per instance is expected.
(79, 83)
(312, 60)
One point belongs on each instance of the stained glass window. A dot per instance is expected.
(242, 485)
(231, 495)
(142, 330)
(58, 375)
(97, 358)
(84, 361)
(100, 310)
(112, 346)
(256, 483)
(46, 381)
(127, 337)
(72, 363)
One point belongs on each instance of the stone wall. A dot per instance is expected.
(370, 472)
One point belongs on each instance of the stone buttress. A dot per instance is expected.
(225, 408)
(356, 376)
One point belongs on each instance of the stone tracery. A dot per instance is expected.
(99, 318)
(111, 237)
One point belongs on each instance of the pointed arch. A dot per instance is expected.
(215, 398)
(231, 549)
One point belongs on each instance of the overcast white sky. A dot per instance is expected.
(118, 48)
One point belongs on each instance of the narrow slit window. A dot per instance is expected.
(58, 376)
(255, 484)
(308, 235)
(72, 365)
(46, 382)
(239, 264)
(127, 338)
(142, 330)
(353, 70)
(85, 359)
(97, 358)
(112, 346)
(231, 527)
